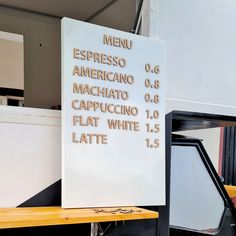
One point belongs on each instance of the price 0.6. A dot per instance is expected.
(155, 143)
(155, 69)
(155, 84)
(148, 98)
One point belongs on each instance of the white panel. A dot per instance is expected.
(124, 171)
(20, 115)
(30, 158)
(195, 202)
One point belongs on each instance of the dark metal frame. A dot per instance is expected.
(181, 121)
(138, 13)
(209, 166)
(215, 178)
(229, 156)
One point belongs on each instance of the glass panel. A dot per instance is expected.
(195, 202)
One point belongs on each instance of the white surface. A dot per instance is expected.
(123, 172)
(23, 115)
(195, 203)
(201, 54)
(30, 158)
(190, 105)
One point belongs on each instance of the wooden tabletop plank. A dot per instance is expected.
(45, 216)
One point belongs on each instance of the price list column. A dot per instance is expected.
(152, 99)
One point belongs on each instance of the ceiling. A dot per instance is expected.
(118, 14)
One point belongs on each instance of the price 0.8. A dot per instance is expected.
(148, 84)
(154, 144)
(155, 69)
(148, 98)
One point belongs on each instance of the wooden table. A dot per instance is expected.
(45, 216)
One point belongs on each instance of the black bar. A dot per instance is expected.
(164, 211)
(137, 16)
(226, 155)
(234, 156)
(11, 92)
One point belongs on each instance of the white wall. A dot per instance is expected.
(200, 36)
(30, 158)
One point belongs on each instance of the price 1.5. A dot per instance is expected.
(155, 143)
(155, 128)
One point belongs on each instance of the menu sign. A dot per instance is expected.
(113, 111)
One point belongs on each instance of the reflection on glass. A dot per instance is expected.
(195, 202)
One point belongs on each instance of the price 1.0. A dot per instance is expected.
(152, 115)
(155, 143)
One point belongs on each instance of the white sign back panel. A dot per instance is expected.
(113, 111)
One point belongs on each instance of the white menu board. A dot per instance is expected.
(113, 112)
